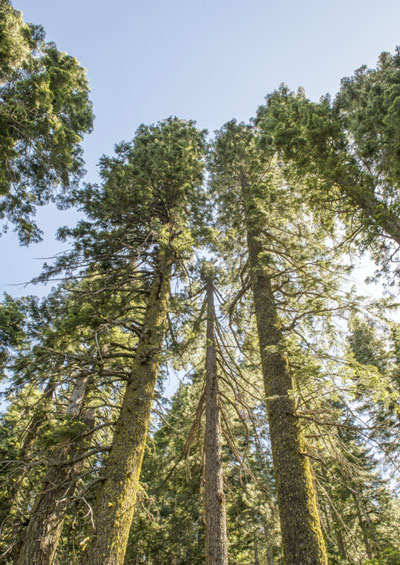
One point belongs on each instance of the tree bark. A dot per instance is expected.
(302, 538)
(47, 518)
(115, 503)
(216, 539)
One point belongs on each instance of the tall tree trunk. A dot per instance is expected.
(216, 540)
(302, 537)
(47, 518)
(115, 503)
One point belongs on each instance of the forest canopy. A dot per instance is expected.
(226, 261)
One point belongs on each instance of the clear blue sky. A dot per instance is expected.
(205, 60)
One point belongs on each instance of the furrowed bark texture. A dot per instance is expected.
(47, 518)
(302, 539)
(216, 539)
(115, 504)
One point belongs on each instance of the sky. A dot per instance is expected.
(206, 60)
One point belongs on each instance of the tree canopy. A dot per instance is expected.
(224, 262)
(44, 112)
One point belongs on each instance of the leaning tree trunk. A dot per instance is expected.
(216, 540)
(47, 518)
(115, 503)
(302, 538)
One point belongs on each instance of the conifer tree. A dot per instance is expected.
(71, 342)
(173, 501)
(44, 112)
(148, 194)
(46, 520)
(347, 150)
(216, 541)
(283, 260)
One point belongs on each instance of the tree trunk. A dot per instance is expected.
(302, 537)
(15, 530)
(216, 540)
(115, 503)
(47, 518)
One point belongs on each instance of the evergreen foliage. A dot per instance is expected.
(281, 443)
(44, 113)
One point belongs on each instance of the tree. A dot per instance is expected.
(67, 461)
(170, 522)
(71, 342)
(147, 194)
(44, 112)
(216, 541)
(172, 500)
(279, 252)
(347, 149)
(374, 372)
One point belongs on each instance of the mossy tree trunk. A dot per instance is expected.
(47, 518)
(302, 537)
(113, 511)
(216, 539)
(251, 194)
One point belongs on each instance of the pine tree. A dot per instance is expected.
(245, 179)
(346, 150)
(216, 542)
(154, 185)
(44, 112)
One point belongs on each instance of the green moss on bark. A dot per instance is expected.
(302, 538)
(115, 504)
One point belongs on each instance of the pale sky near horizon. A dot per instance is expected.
(210, 61)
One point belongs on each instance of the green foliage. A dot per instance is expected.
(389, 556)
(150, 190)
(16, 40)
(369, 106)
(12, 319)
(44, 112)
(289, 180)
(346, 151)
(70, 429)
